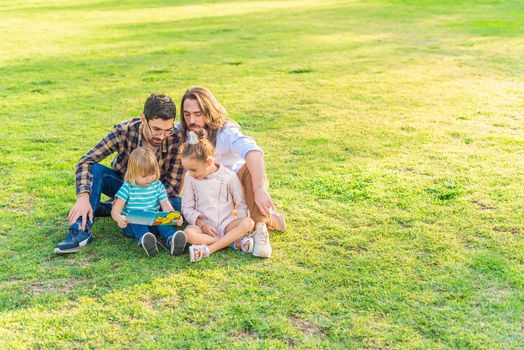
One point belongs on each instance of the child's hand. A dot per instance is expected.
(122, 221)
(179, 221)
(209, 230)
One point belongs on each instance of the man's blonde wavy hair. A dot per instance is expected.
(215, 115)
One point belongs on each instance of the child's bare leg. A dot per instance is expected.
(237, 229)
(196, 236)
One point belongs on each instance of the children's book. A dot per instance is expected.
(154, 218)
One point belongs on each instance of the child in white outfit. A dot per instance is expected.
(211, 193)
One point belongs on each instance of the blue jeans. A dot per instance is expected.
(108, 182)
(136, 231)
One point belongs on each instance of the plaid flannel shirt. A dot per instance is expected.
(123, 139)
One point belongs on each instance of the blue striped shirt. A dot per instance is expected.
(142, 198)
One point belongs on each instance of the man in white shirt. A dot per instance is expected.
(238, 152)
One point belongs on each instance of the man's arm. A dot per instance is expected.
(233, 139)
(84, 176)
(257, 168)
(103, 149)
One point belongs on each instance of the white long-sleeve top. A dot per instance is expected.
(213, 198)
(232, 146)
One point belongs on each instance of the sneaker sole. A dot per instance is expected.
(178, 243)
(149, 245)
(263, 255)
(66, 251)
(81, 245)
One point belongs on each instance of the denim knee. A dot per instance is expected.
(135, 231)
(99, 169)
(176, 202)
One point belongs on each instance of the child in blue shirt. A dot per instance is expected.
(143, 191)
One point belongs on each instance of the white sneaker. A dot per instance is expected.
(261, 237)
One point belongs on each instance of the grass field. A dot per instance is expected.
(394, 142)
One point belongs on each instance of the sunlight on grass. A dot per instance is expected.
(393, 134)
(55, 33)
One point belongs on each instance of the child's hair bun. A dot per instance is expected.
(197, 145)
(197, 136)
(201, 133)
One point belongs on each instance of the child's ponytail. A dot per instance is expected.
(197, 146)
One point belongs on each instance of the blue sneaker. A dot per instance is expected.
(75, 240)
(176, 243)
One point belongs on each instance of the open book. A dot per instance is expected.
(154, 218)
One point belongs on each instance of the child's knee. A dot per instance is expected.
(191, 233)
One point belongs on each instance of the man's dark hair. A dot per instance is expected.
(159, 106)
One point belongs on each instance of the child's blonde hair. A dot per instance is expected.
(142, 162)
(201, 150)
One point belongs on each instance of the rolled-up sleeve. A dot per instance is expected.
(103, 149)
(240, 143)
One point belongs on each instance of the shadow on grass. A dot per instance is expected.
(111, 263)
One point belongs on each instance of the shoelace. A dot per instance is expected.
(263, 236)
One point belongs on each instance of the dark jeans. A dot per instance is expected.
(136, 231)
(108, 182)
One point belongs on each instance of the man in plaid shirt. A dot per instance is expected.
(154, 129)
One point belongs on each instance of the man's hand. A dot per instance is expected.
(209, 230)
(122, 221)
(82, 208)
(263, 200)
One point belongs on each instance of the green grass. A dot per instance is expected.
(393, 134)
